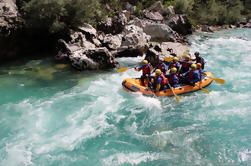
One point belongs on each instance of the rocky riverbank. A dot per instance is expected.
(158, 33)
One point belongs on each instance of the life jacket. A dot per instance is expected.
(186, 65)
(146, 69)
(171, 78)
(163, 79)
(173, 64)
(162, 67)
(190, 74)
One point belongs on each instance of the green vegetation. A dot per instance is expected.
(55, 15)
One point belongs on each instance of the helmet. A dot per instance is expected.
(187, 57)
(193, 66)
(173, 70)
(198, 65)
(145, 61)
(158, 72)
(175, 59)
(196, 53)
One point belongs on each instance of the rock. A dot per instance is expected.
(112, 42)
(206, 28)
(105, 25)
(88, 31)
(170, 10)
(9, 19)
(93, 59)
(130, 8)
(152, 56)
(247, 25)
(155, 16)
(161, 33)
(156, 7)
(165, 49)
(113, 25)
(83, 53)
(10, 27)
(134, 42)
(180, 24)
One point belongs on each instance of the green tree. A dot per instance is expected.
(55, 15)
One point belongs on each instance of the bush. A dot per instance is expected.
(55, 15)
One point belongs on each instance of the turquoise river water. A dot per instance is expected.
(51, 115)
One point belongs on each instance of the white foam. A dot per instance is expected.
(130, 158)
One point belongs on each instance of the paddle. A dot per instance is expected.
(123, 69)
(176, 96)
(218, 80)
(203, 89)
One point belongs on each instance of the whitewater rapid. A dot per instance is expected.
(86, 118)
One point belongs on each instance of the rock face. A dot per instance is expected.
(134, 42)
(180, 24)
(83, 53)
(94, 59)
(10, 23)
(113, 25)
(161, 33)
(9, 17)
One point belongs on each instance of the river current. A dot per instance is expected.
(51, 115)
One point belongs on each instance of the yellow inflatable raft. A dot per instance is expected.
(133, 85)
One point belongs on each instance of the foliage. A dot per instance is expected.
(211, 12)
(55, 15)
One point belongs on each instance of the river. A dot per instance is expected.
(51, 115)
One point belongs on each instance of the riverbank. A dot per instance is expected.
(157, 33)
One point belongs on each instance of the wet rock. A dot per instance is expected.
(180, 24)
(94, 59)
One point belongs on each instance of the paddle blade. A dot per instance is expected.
(204, 90)
(168, 59)
(218, 80)
(123, 69)
(177, 98)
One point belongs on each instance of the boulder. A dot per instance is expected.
(113, 25)
(180, 24)
(165, 49)
(155, 16)
(10, 27)
(134, 42)
(83, 53)
(9, 20)
(158, 7)
(88, 31)
(161, 32)
(112, 42)
(93, 59)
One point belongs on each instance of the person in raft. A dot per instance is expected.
(192, 76)
(175, 64)
(199, 59)
(159, 80)
(173, 78)
(146, 71)
(201, 71)
(185, 64)
(162, 66)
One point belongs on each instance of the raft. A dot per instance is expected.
(134, 85)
